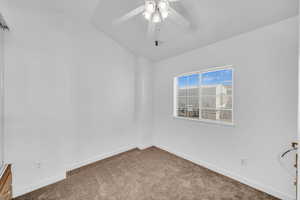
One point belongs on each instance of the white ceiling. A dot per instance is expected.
(74, 8)
(213, 20)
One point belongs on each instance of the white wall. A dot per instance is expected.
(69, 96)
(144, 102)
(265, 63)
(298, 178)
(1, 99)
(70, 99)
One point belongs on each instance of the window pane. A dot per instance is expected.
(182, 92)
(208, 90)
(227, 89)
(209, 114)
(193, 107)
(193, 80)
(182, 82)
(208, 102)
(217, 89)
(188, 96)
(181, 106)
(226, 115)
(216, 94)
(217, 77)
(219, 115)
(181, 102)
(193, 96)
(194, 92)
(194, 101)
(224, 101)
(181, 112)
(193, 113)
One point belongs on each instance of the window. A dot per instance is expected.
(205, 95)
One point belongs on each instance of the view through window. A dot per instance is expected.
(205, 96)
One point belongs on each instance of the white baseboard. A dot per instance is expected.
(21, 191)
(254, 184)
(100, 157)
(239, 178)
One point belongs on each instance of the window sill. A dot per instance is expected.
(229, 124)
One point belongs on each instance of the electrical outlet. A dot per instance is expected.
(38, 165)
(244, 162)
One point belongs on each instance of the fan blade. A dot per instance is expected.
(130, 15)
(178, 18)
(151, 29)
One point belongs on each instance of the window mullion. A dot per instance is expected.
(188, 97)
(200, 96)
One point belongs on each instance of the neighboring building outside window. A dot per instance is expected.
(205, 95)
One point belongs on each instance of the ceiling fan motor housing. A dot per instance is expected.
(156, 11)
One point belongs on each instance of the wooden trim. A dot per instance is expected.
(6, 184)
(5, 176)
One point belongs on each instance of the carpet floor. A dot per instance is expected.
(151, 174)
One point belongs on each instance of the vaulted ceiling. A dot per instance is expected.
(212, 21)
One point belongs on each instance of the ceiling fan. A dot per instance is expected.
(155, 12)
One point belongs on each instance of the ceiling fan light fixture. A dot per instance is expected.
(156, 18)
(164, 14)
(147, 15)
(156, 10)
(150, 6)
(163, 5)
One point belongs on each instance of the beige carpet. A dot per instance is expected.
(152, 174)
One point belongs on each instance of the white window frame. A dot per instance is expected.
(232, 123)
